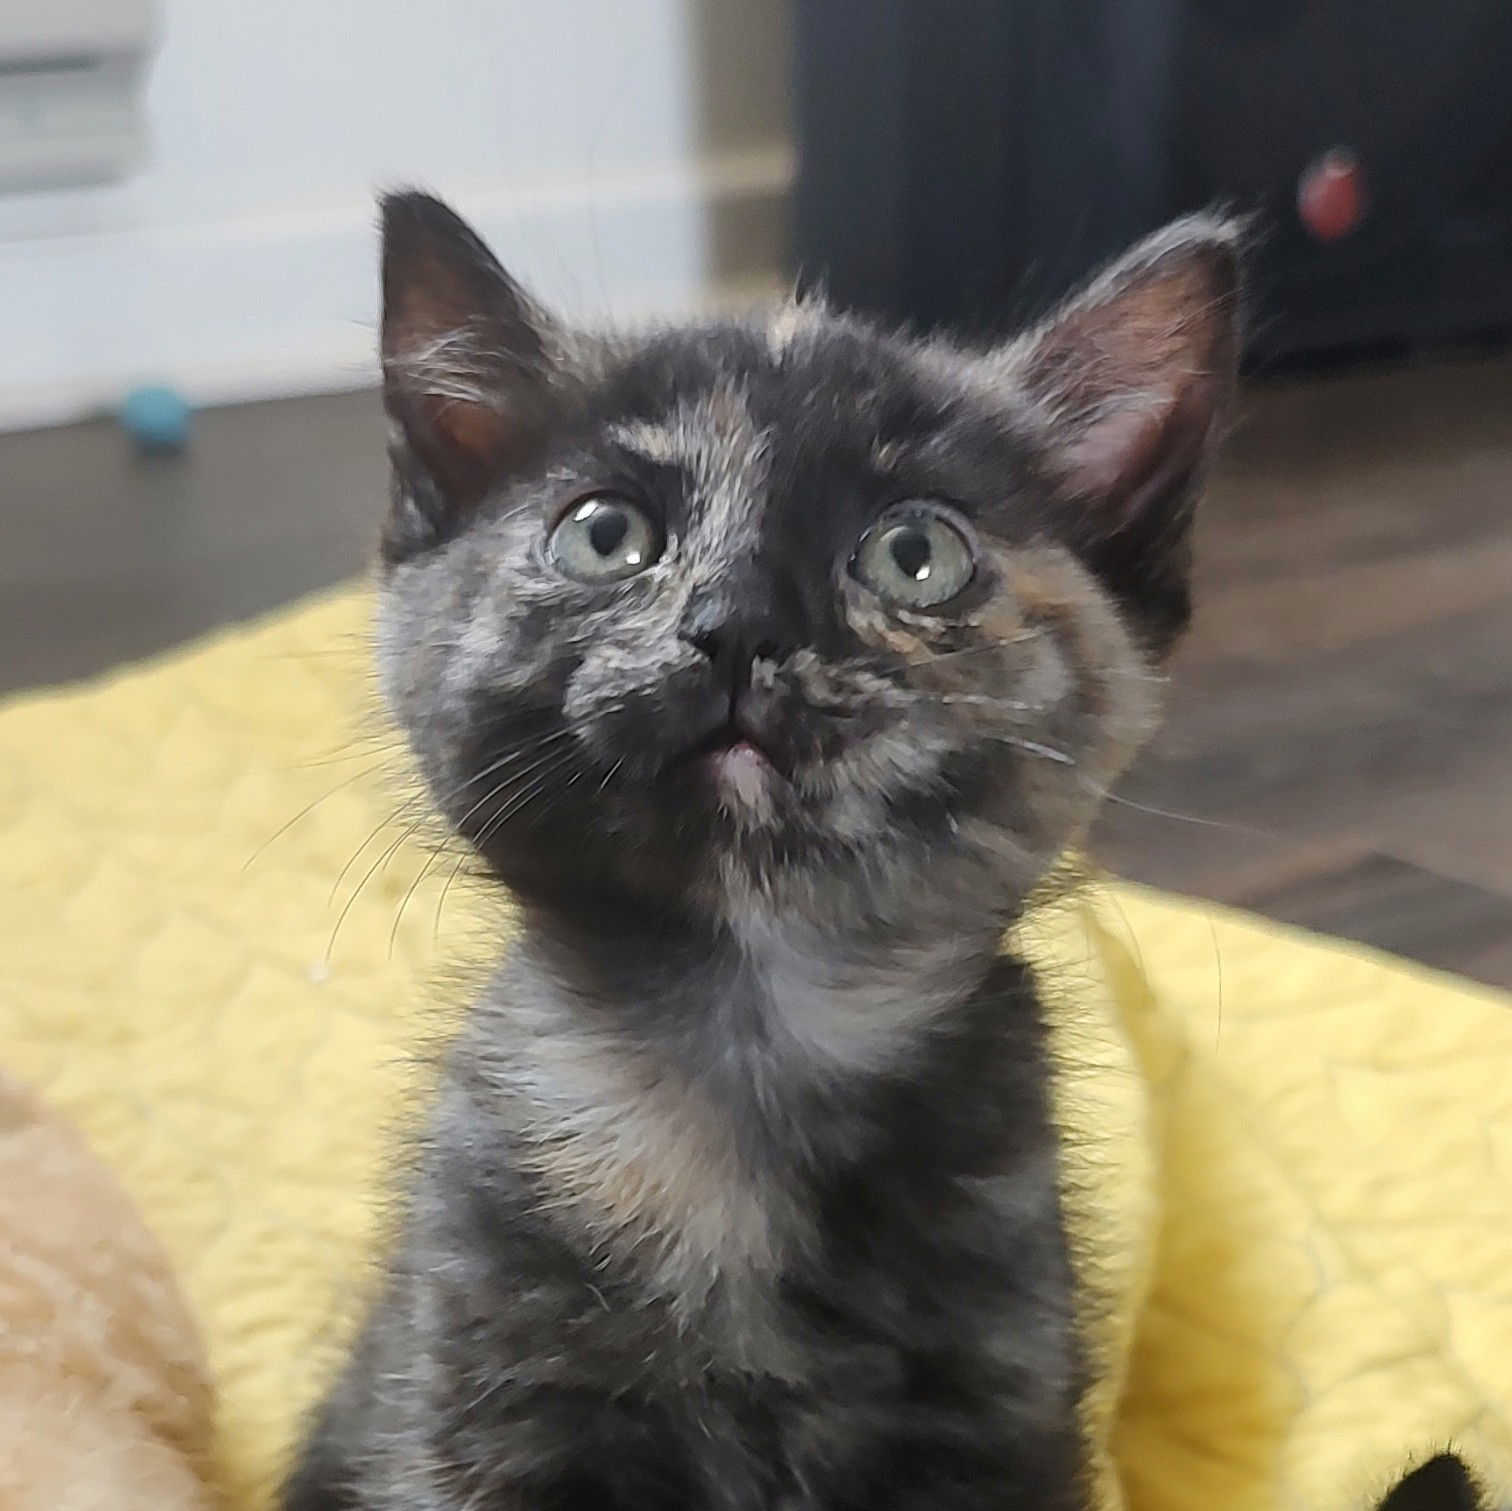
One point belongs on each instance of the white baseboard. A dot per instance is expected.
(284, 304)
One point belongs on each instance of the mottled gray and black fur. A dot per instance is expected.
(740, 1190)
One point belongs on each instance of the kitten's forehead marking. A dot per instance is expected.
(726, 457)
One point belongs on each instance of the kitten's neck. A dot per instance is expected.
(777, 1021)
(687, 1097)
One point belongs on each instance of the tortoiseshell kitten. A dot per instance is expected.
(769, 664)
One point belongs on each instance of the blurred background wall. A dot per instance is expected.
(633, 156)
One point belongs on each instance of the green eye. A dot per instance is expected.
(915, 557)
(604, 539)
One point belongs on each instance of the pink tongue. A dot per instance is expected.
(742, 770)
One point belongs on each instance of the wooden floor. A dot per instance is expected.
(1339, 752)
(1339, 743)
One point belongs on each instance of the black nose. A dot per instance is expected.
(733, 634)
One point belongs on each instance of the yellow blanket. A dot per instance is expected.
(1289, 1163)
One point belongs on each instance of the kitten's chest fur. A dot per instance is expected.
(793, 1205)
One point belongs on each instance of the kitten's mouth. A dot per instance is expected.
(730, 743)
(740, 761)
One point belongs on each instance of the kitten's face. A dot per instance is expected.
(776, 606)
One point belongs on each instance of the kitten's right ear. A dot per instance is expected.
(467, 368)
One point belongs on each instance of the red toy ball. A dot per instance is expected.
(1331, 195)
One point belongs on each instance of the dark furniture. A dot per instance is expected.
(962, 162)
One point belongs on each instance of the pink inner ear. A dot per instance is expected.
(463, 354)
(1132, 373)
(464, 442)
(1126, 458)
(1111, 454)
(430, 366)
(479, 431)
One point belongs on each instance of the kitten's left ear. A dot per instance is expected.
(467, 367)
(1131, 381)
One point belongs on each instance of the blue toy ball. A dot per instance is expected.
(156, 419)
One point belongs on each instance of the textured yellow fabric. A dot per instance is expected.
(1289, 1164)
